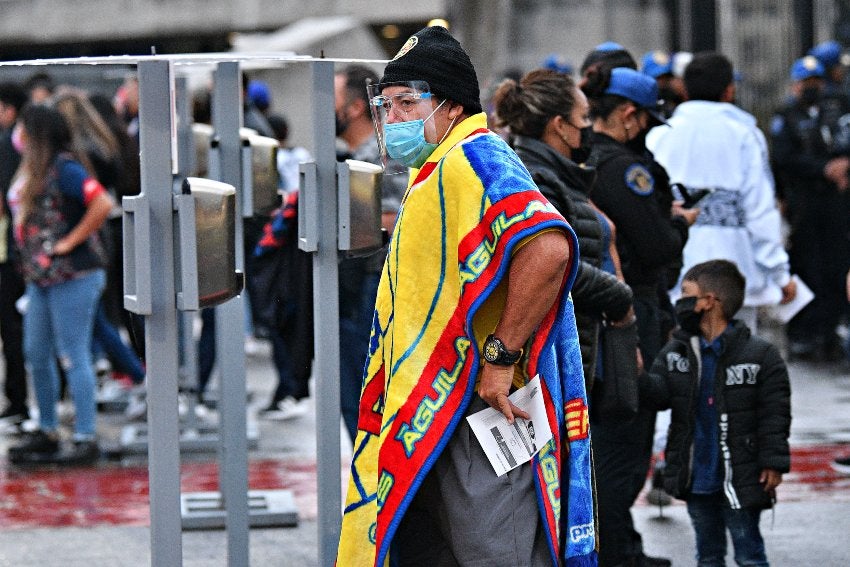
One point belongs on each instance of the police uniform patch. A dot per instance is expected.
(408, 45)
(639, 180)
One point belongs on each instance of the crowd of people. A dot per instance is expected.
(619, 233)
(67, 160)
(685, 225)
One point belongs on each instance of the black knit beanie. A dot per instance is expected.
(434, 56)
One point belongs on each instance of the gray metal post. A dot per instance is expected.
(185, 162)
(230, 349)
(326, 300)
(155, 87)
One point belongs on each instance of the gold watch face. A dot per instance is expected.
(491, 351)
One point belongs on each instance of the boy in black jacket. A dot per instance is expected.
(727, 446)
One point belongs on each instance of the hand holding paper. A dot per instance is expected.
(508, 445)
(786, 311)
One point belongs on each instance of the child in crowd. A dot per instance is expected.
(730, 396)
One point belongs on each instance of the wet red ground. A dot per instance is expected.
(118, 495)
(115, 494)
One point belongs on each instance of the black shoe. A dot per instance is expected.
(39, 446)
(647, 561)
(79, 453)
(12, 416)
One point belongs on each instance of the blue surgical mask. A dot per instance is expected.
(406, 142)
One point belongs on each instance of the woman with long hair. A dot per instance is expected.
(99, 151)
(547, 116)
(59, 209)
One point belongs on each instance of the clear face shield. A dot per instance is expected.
(402, 115)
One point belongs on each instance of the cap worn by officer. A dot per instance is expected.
(639, 88)
(557, 63)
(806, 68)
(827, 52)
(434, 56)
(656, 64)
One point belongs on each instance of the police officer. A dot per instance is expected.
(671, 88)
(811, 144)
(633, 191)
(829, 55)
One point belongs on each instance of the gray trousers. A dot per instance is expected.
(464, 515)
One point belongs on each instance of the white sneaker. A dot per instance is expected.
(112, 391)
(102, 368)
(255, 347)
(288, 408)
(137, 405)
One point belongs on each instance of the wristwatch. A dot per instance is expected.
(494, 352)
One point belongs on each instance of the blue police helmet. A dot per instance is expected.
(656, 63)
(639, 88)
(806, 68)
(827, 52)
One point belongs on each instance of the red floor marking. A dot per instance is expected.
(811, 476)
(114, 494)
(118, 495)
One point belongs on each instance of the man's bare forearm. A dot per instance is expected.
(535, 277)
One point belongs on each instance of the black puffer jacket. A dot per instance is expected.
(596, 293)
(753, 400)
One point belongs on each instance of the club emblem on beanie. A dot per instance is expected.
(434, 56)
(408, 45)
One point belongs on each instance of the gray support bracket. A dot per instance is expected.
(247, 180)
(308, 207)
(266, 508)
(187, 297)
(343, 196)
(137, 245)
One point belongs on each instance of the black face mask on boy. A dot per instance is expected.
(689, 319)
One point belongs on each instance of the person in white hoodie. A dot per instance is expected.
(713, 144)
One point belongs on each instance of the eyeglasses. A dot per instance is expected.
(401, 102)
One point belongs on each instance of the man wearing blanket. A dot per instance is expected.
(473, 303)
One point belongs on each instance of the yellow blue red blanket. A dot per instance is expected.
(441, 292)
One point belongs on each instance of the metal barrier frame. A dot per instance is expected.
(159, 170)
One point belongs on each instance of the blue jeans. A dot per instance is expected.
(107, 340)
(711, 516)
(58, 325)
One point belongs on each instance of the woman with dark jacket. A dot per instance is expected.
(58, 209)
(633, 190)
(548, 120)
